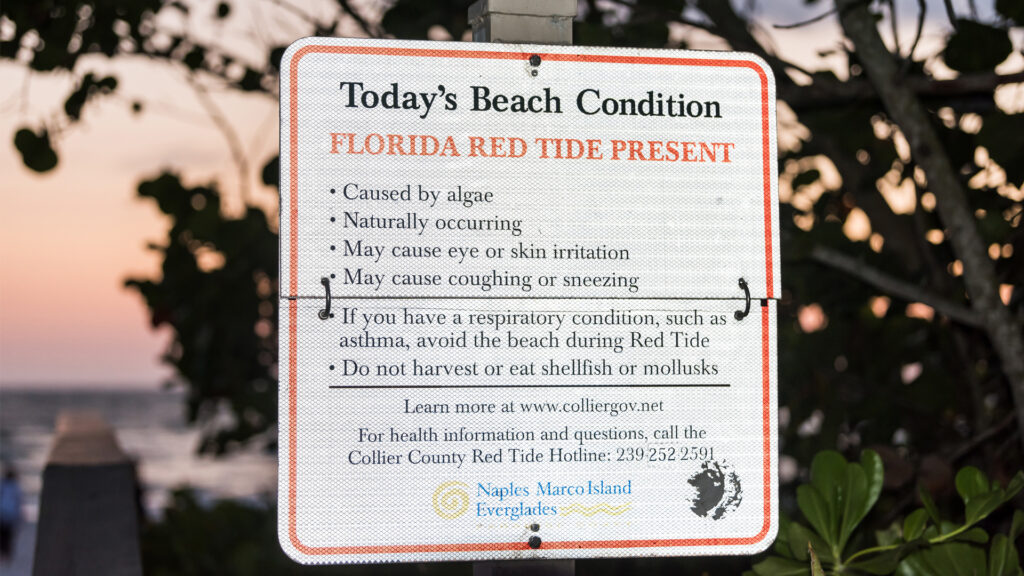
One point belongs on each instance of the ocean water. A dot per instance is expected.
(150, 427)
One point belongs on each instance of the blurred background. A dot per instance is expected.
(138, 246)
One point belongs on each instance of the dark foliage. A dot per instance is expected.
(219, 295)
(921, 385)
(229, 538)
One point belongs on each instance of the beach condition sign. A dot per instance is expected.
(528, 302)
(588, 101)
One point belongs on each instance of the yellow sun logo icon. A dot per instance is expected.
(450, 500)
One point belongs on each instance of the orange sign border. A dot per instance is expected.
(293, 304)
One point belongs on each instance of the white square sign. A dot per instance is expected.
(528, 302)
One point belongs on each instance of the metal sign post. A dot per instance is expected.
(528, 302)
(523, 21)
(538, 22)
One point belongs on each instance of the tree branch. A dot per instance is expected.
(1004, 330)
(731, 26)
(370, 31)
(894, 26)
(697, 24)
(893, 286)
(666, 14)
(824, 94)
(922, 11)
(837, 94)
(736, 31)
(230, 135)
(302, 14)
(950, 13)
(899, 237)
(817, 18)
(953, 456)
(972, 444)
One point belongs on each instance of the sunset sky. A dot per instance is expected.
(70, 237)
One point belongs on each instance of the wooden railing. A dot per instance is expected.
(89, 505)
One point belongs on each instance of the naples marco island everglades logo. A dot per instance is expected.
(451, 500)
(717, 487)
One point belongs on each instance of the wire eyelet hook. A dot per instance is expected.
(326, 312)
(746, 291)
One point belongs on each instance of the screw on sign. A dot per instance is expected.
(534, 317)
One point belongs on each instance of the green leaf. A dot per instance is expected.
(799, 537)
(774, 566)
(36, 151)
(913, 566)
(890, 536)
(971, 482)
(974, 535)
(966, 560)
(875, 472)
(827, 471)
(854, 501)
(1015, 486)
(798, 541)
(929, 505)
(945, 527)
(884, 563)
(914, 524)
(999, 559)
(948, 559)
(981, 505)
(977, 47)
(781, 545)
(862, 486)
(1002, 557)
(814, 508)
(1017, 526)
(816, 569)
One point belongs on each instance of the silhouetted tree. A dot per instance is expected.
(920, 347)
